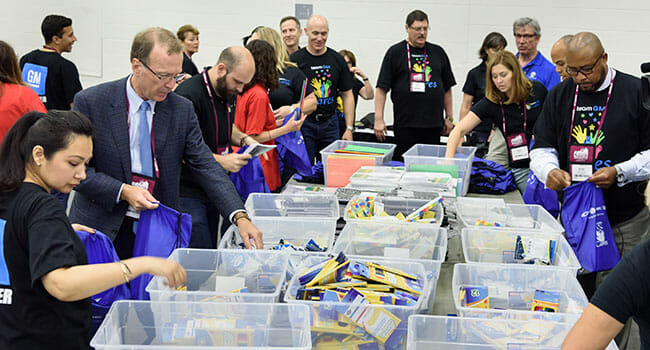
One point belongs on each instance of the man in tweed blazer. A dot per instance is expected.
(103, 198)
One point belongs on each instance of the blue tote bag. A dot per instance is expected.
(291, 149)
(250, 178)
(587, 227)
(537, 193)
(100, 250)
(159, 232)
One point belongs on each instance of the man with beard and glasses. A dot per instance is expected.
(419, 76)
(597, 113)
(213, 93)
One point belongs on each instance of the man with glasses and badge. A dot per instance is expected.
(527, 33)
(594, 128)
(143, 133)
(419, 76)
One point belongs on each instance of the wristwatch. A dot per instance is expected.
(240, 215)
(620, 177)
(351, 128)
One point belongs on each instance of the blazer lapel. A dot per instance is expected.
(119, 120)
(161, 123)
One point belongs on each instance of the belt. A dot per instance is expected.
(320, 117)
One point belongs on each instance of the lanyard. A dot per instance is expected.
(408, 54)
(602, 119)
(153, 143)
(503, 117)
(214, 109)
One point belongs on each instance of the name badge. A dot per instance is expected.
(580, 172)
(417, 82)
(142, 181)
(519, 153)
(581, 158)
(518, 146)
(222, 151)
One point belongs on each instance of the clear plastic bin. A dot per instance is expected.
(210, 272)
(425, 155)
(294, 231)
(482, 245)
(509, 216)
(325, 312)
(423, 243)
(457, 333)
(393, 206)
(146, 325)
(345, 167)
(309, 205)
(511, 288)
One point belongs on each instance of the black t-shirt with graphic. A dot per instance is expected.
(514, 115)
(625, 132)
(328, 74)
(290, 88)
(194, 89)
(624, 293)
(414, 109)
(37, 238)
(475, 87)
(62, 81)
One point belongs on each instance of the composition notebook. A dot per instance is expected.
(358, 149)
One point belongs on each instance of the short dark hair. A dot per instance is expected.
(53, 131)
(266, 72)
(53, 25)
(416, 15)
(290, 18)
(492, 41)
(144, 42)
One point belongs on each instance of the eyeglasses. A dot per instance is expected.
(525, 36)
(586, 70)
(420, 29)
(166, 77)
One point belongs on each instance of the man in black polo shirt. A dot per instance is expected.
(54, 78)
(420, 77)
(328, 75)
(213, 94)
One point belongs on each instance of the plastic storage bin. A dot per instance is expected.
(330, 313)
(481, 245)
(424, 156)
(508, 216)
(145, 325)
(346, 164)
(210, 272)
(511, 288)
(457, 333)
(423, 243)
(393, 206)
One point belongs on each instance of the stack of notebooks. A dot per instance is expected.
(346, 161)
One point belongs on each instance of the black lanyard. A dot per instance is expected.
(503, 117)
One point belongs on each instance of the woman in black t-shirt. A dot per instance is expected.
(45, 281)
(512, 103)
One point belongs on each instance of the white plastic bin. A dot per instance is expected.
(208, 271)
(508, 285)
(482, 245)
(324, 312)
(457, 333)
(145, 325)
(393, 206)
(427, 155)
(352, 162)
(509, 216)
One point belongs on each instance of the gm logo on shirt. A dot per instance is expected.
(35, 75)
(5, 293)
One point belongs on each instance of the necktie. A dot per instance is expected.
(144, 138)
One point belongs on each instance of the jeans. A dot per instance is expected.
(205, 222)
(521, 178)
(319, 134)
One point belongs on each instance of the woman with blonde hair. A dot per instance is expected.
(511, 102)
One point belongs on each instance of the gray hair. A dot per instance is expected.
(144, 42)
(527, 21)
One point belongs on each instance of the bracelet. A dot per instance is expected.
(240, 215)
(242, 141)
(126, 271)
(365, 79)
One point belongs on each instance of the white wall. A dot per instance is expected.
(105, 28)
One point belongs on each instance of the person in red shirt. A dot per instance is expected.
(16, 98)
(253, 114)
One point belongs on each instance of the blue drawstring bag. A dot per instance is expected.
(490, 177)
(100, 250)
(587, 227)
(537, 193)
(291, 149)
(159, 232)
(250, 178)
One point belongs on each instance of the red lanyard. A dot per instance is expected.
(503, 117)
(602, 119)
(408, 54)
(214, 110)
(153, 143)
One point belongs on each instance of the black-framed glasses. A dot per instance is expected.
(525, 36)
(166, 77)
(586, 70)
(420, 29)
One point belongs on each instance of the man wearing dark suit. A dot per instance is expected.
(126, 152)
